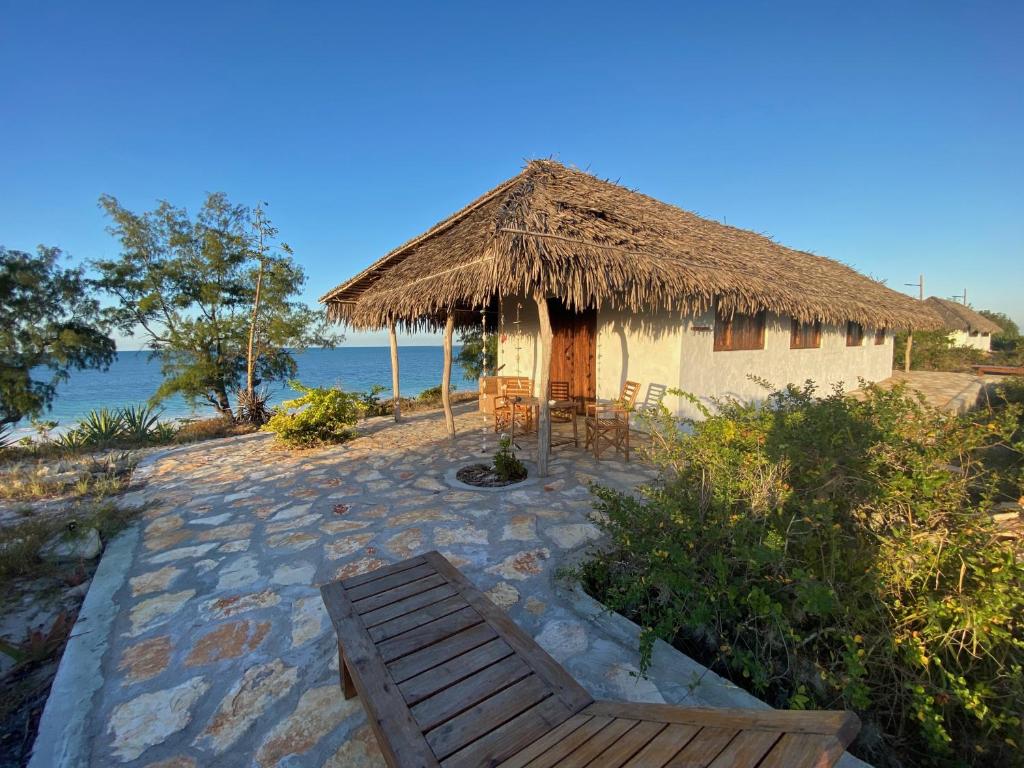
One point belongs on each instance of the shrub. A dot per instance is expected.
(138, 422)
(254, 408)
(372, 405)
(506, 465)
(208, 429)
(833, 553)
(432, 394)
(319, 416)
(933, 351)
(101, 427)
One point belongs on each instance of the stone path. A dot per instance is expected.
(947, 391)
(220, 652)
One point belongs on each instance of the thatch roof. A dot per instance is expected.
(595, 243)
(958, 317)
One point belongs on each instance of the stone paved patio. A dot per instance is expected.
(220, 652)
(947, 391)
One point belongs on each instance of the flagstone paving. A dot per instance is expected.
(221, 652)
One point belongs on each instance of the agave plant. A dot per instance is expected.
(72, 440)
(253, 408)
(163, 431)
(138, 422)
(101, 426)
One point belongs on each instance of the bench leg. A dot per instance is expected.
(348, 688)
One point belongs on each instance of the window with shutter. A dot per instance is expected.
(805, 335)
(854, 334)
(739, 332)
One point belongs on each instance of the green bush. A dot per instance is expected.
(318, 417)
(833, 553)
(506, 465)
(933, 351)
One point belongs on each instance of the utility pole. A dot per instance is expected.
(910, 333)
(962, 299)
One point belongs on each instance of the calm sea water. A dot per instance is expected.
(134, 377)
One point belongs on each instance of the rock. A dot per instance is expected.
(228, 641)
(520, 528)
(248, 698)
(359, 567)
(154, 581)
(503, 595)
(360, 750)
(149, 719)
(464, 534)
(146, 659)
(226, 607)
(182, 553)
(630, 685)
(318, 712)
(299, 573)
(573, 534)
(349, 545)
(309, 620)
(407, 543)
(85, 546)
(521, 565)
(156, 610)
(239, 573)
(295, 541)
(563, 639)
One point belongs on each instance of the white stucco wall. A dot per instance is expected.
(707, 373)
(964, 339)
(661, 350)
(525, 336)
(648, 349)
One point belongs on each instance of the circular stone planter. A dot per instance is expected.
(531, 479)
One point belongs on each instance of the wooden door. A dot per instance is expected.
(574, 351)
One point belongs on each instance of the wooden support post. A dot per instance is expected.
(446, 377)
(397, 398)
(544, 387)
(906, 352)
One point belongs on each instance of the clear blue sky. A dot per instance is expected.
(887, 135)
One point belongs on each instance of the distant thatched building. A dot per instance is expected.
(966, 327)
(635, 289)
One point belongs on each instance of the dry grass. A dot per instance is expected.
(26, 484)
(210, 429)
(594, 243)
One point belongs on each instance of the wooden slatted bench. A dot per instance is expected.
(449, 680)
(998, 370)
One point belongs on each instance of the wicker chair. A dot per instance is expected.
(609, 422)
(508, 414)
(563, 411)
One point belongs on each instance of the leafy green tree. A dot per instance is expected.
(50, 324)
(189, 286)
(1009, 339)
(473, 357)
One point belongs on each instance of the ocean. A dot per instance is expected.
(134, 377)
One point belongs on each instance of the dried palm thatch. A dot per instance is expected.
(957, 317)
(594, 243)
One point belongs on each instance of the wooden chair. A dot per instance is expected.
(508, 414)
(563, 411)
(609, 422)
(448, 680)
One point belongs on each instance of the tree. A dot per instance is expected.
(472, 356)
(1008, 340)
(50, 324)
(189, 286)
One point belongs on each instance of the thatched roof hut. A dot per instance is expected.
(959, 317)
(593, 243)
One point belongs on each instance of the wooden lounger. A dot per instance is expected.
(449, 680)
(999, 370)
